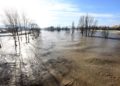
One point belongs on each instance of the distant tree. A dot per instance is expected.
(26, 22)
(73, 27)
(87, 25)
(35, 30)
(105, 32)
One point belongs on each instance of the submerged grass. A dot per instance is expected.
(101, 61)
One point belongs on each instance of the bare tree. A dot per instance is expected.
(81, 24)
(105, 32)
(73, 27)
(87, 25)
(35, 30)
(12, 22)
(26, 28)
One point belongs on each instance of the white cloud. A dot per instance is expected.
(42, 11)
(48, 12)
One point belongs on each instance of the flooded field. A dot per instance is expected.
(61, 59)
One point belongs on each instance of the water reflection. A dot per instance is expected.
(50, 46)
(44, 58)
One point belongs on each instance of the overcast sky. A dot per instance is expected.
(64, 12)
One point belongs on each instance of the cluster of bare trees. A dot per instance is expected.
(35, 30)
(87, 25)
(18, 25)
(12, 22)
(21, 28)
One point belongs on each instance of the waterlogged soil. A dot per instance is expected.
(61, 59)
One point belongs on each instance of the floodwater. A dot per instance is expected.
(61, 59)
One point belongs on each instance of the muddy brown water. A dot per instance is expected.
(61, 58)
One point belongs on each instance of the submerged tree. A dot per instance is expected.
(73, 27)
(87, 25)
(35, 30)
(17, 25)
(26, 28)
(105, 32)
(12, 22)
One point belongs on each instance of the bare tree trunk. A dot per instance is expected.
(26, 35)
(19, 42)
(28, 38)
(15, 43)
(86, 23)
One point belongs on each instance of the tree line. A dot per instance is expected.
(88, 27)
